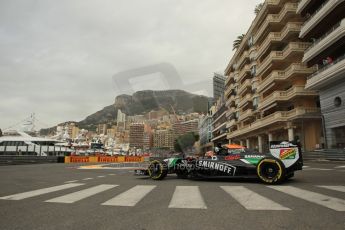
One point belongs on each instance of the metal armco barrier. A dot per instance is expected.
(15, 160)
(103, 159)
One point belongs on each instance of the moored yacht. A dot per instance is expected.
(21, 143)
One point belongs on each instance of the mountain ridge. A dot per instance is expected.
(145, 101)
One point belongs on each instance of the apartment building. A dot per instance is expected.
(219, 123)
(325, 28)
(163, 139)
(218, 86)
(136, 135)
(181, 128)
(265, 92)
(205, 133)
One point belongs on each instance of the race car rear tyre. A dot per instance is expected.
(157, 170)
(271, 171)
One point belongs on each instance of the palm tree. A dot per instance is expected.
(258, 7)
(237, 42)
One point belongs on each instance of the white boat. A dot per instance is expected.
(21, 143)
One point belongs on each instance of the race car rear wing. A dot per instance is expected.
(289, 153)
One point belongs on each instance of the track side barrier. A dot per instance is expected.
(103, 159)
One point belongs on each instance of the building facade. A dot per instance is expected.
(265, 92)
(325, 29)
(205, 133)
(136, 135)
(181, 128)
(218, 86)
(219, 123)
(163, 139)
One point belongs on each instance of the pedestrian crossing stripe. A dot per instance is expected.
(190, 197)
(313, 197)
(187, 197)
(82, 194)
(335, 188)
(131, 197)
(251, 200)
(24, 195)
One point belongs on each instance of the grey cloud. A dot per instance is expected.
(57, 58)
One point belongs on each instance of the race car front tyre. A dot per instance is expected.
(271, 171)
(157, 170)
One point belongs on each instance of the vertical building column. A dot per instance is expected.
(291, 134)
(241, 143)
(230, 141)
(248, 143)
(270, 137)
(260, 143)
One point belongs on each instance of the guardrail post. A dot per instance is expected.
(5, 147)
(40, 150)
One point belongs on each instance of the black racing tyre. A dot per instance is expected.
(271, 171)
(157, 170)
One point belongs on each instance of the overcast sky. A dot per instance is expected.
(57, 58)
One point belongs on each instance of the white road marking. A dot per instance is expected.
(339, 167)
(89, 178)
(130, 197)
(101, 176)
(305, 166)
(71, 181)
(335, 188)
(21, 196)
(317, 198)
(251, 200)
(187, 197)
(79, 195)
(318, 169)
(111, 174)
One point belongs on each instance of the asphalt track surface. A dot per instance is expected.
(61, 196)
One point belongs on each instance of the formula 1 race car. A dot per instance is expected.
(233, 161)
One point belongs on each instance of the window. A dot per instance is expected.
(337, 102)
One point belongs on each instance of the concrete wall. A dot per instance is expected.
(334, 116)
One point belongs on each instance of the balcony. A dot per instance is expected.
(246, 99)
(294, 70)
(327, 75)
(245, 85)
(324, 10)
(230, 124)
(284, 14)
(230, 79)
(291, 27)
(302, 5)
(227, 92)
(280, 116)
(243, 58)
(246, 115)
(326, 41)
(244, 73)
(286, 95)
(288, 54)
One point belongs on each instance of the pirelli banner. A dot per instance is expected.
(103, 159)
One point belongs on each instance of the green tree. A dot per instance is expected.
(185, 141)
(258, 7)
(237, 42)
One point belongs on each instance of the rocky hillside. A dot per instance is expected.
(144, 101)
